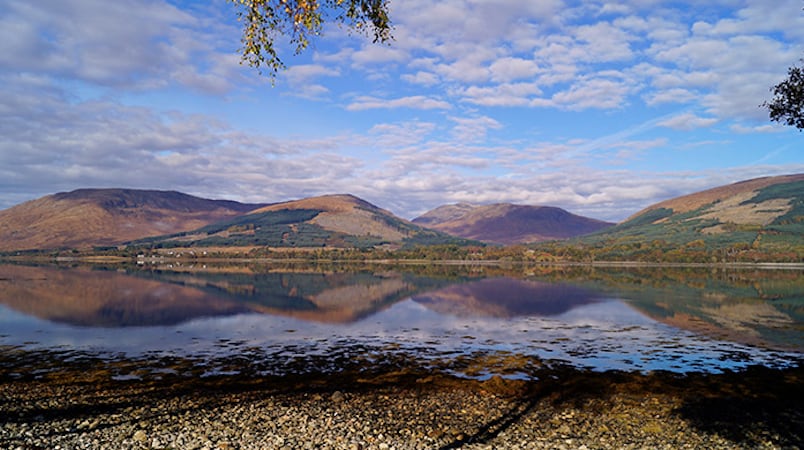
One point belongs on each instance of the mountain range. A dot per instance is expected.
(91, 218)
(767, 209)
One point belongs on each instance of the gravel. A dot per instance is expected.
(563, 409)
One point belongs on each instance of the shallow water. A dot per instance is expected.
(471, 321)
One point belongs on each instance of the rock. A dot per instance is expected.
(652, 427)
(139, 436)
(337, 397)
(419, 416)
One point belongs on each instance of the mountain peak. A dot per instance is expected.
(328, 203)
(506, 223)
(102, 217)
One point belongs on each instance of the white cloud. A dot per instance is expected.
(510, 94)
(415, 102)
(604, 194)
(757, 17)
(604, 42)
(471, 21)
(303, 73)
(421, 77)
(481, 52)
(473, 128)
(509, 69)
(378, 54)
(547, 102)
(675, 95)
(102, 143)
(742, 129)
(395, 135)
(688, 121)
(302, 78)
(730, 68)
(470, 67)
(120, 44)
(614, 8)
(598, 93)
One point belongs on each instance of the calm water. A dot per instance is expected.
(472, 321)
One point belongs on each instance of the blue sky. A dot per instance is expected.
(602, 108)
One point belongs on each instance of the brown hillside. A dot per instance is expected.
(504, 223)
(445, 214)
(694, 201)
(347, 214)
(329, 203)
(100, 217)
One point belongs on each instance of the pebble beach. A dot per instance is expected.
(85, 408)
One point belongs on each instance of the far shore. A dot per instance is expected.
(187, 259)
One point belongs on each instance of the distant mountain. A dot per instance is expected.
(504, 223)
(104, 217)
(764, 212)
(341, 221)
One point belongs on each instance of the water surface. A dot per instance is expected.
(472, 321)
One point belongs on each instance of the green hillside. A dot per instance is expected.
(756, 220)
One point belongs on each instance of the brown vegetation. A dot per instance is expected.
(694, 201)
(106, 217)
(344, 213)
(504, 223)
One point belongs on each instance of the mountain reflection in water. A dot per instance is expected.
(506, 297)
(103, 298)
(600, 318)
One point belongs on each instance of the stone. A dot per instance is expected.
(337, 397)
(139, 436)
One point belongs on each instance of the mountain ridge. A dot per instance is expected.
(506, 223)
(104, 217)
(695, 200)
(747, 220)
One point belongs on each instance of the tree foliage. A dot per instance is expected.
(787, 105)
(263, 21)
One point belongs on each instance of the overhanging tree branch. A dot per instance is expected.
(263, 21)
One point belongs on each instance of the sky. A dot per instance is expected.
(601, 108)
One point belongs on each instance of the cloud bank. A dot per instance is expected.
(599, 108)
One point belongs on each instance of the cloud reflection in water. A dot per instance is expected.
(359, 315)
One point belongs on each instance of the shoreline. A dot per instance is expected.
(81, 405)
(765, 265)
